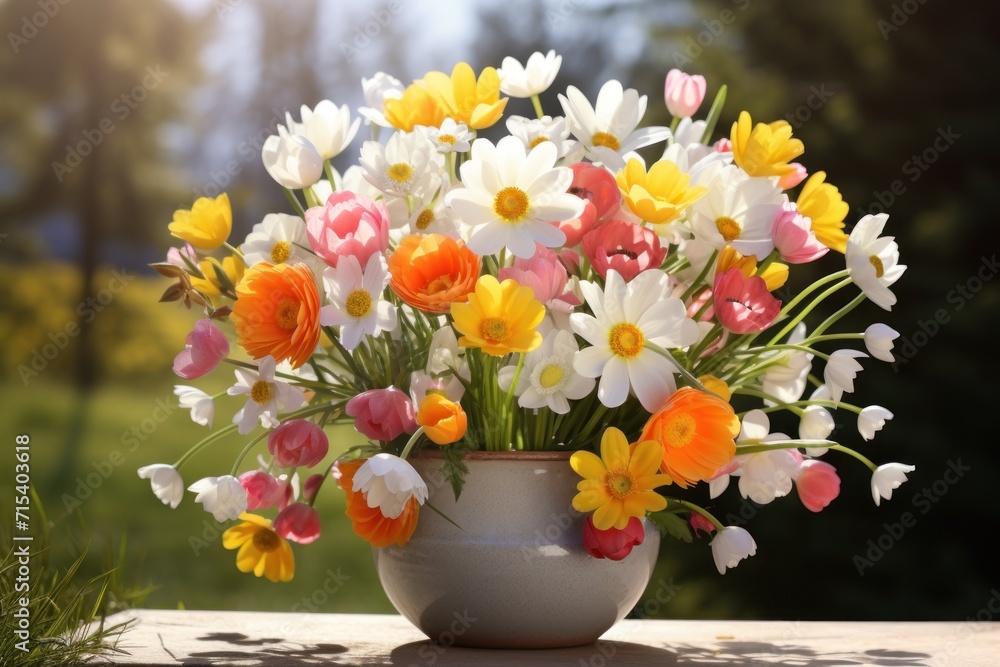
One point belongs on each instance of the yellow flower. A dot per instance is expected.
(774, 275)
(824, 206)
(210, 285)
(660, 195)
(716, 386)
(499, 318)
(619, 484)
(417, 106)
(466, 100)
(206, 225)
(261, 550)
(766, 149)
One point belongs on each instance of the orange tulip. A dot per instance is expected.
(696, 431)
(432, 271)
(277, 312)
(368, 522)
(444, 421)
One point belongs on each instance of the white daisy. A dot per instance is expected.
(548, 377)
(873, 262)
(878, 340)
(377, 90)
(532, 78)
(399, 211)
(626, 316)
(327, 126)
(738, 210)
(356, 303)
(265, 396)
(406, 163)
(607, 129)
(278, 238)
(511, 198)
(200, 404)
(533, 131)
(871, 420)
(840, 372)
(451, 137)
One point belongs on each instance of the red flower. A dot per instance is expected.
(623, 246)
(598, 188)
(612, 543)
(298, 522)
(743, 305)
(298, 442)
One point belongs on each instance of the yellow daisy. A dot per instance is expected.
(500, 318)
(764, 149)
(619, 484)
(825, 207)
(261, 550)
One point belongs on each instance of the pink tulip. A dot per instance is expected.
(794, 237)
(818, 484)
(204, 348)
(597, 186)
(298, 443)
(623, 246)
(382, 414)
(793, 178)
(697, 303)
(298, 522)
(723, 145)
(612, 543)
(546, 276)
(348, 224)
(263, 490)
(311, 487)
(699, 524)
(743, 305)
(571, 260)
(683, 93)
(176, 256)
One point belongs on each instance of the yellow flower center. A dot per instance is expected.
(261, 392)
(551, 376)
(620, 483)
(280, 252)
(537, 140)
(679, 430)
(729, 228)
(424, 220)
(287, 315)
(359, 303)
(626, 340)
(494, 329)
(606, 140)
(400, 172)
(511, 204)
(877, 263)
(447, 138)
(266, 540)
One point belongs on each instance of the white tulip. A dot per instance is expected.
(840, 372)
(878, 340)
(871, 420)
(329, 128)
(224, 497)
(532, 78)
(388, 482)
(291, 160)
(730, 546)
(888, 477)
(166, 482)
(200, 404)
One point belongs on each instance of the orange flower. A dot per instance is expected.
(277, 312)
(368, 522)
(444, 421)
(696, 431)
(432, 271)
(417, 106)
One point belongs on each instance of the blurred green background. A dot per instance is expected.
(114, 113)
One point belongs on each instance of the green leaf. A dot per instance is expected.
(454, 468)
(673, 525)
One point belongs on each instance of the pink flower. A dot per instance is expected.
(698, 302)
(382, 414)
(699, 524)
(204, 348)
(723, 145)
(312, 486)
(597, 186)
(623, 246)
(683, 93)
(546, 276)
(348, 224)
(298, 443)
(794, 177)
(571, 260)
(176, 256)
(263, 490)
(743, 305)
(612, 544)
(794, 237)
(818, 484)
(298, 522)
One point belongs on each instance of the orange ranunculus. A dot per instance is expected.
(368, 522)
(431, 272)
(277, 312)
(444, 421)
(696, 431)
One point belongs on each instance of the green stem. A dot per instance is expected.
(537, 103)
(294, 201)
(808, 309)
(833, 319)
(246, 450)
(700, 510)
(412, 441)
(328, 168)
(713, 115)
(696, 285)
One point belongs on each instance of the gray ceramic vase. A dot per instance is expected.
(516, 574)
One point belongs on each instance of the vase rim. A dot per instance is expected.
(509, 455)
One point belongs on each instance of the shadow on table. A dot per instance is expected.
(262, 652)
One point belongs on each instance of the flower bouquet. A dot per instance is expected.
(451, 297)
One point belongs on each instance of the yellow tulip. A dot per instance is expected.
(206, 225)
(764, 149)
(660, 195)
(826, 209)
(476, 103)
